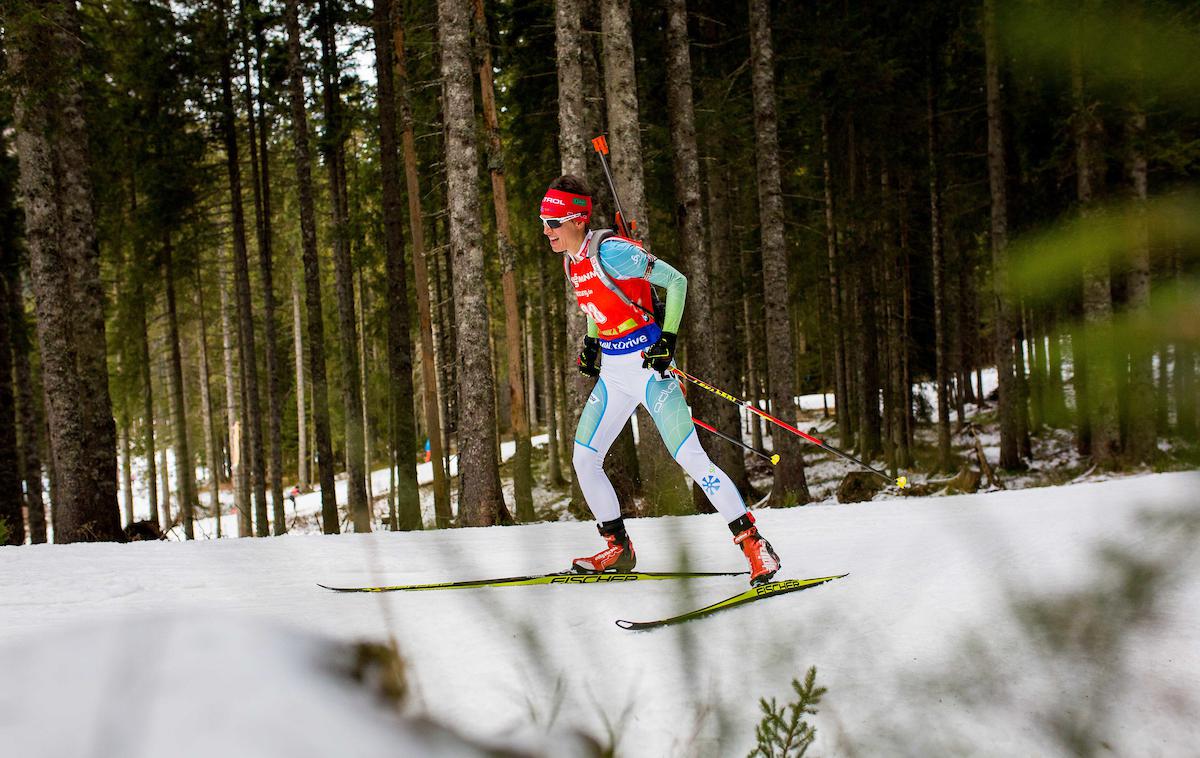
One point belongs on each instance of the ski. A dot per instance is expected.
(564, 577)
(754, 593)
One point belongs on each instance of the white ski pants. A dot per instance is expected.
(622, 385)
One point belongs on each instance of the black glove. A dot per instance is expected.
(660, 354)
(589, 357)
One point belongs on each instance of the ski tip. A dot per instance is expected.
(625, 624)
(775, 459)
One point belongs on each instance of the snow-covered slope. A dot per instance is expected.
(922, 647)
(209, 685)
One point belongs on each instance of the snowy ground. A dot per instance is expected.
(932, 645)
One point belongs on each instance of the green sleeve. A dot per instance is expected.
(663, 274)
(593, 330)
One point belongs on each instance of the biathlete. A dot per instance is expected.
(630, 353)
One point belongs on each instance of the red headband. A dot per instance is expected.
(558, 203)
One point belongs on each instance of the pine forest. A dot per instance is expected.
(276, 267)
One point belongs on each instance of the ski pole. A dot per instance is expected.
(772, 457)
(625, 227)
(900, 482)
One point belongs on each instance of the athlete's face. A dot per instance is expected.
(567, 237)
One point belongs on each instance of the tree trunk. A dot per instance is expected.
(836, 318)
(28, 417)
(237, 443)
(78, 235)
(266, 273)
(572, 148)
(1037, 370)
(997, 178)
(51, 473)
(568, 39)
(621, 464)
(1023, 442)
(546, 326)
(566, 438)
(12, 518)
(148, 406)
(444, 336)
(1185, 375)
(968, 299)
(791, 486)
(429, 378)
(481, 501)
(527, 328)
(252, 413)
(206, 406)
(312, 272)
(662, 479)
(260, 180)
(333, 147)
(400, 347)
(1097, 293)
(164, 469)
(184, 467)
(568, 44)
(44, 63)
(894, 343)
(301, 401)
(940, 326)
(752, 284)
(1142, 435)
(1162, 396)
(1056, 401)
(725, 327)
(126, 474)
(906, 306)
(522, 473)
(702, 355)
(364, 389)
(867, 336)
(620, 86)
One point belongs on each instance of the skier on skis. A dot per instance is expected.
(630, 351)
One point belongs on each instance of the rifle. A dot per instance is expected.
(625, 227)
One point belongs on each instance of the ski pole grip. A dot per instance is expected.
(600, 144)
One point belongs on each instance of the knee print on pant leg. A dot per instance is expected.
(717, 485)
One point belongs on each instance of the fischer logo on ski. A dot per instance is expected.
(594, 578)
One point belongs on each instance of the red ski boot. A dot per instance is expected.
(763, 560)
(618, 557)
